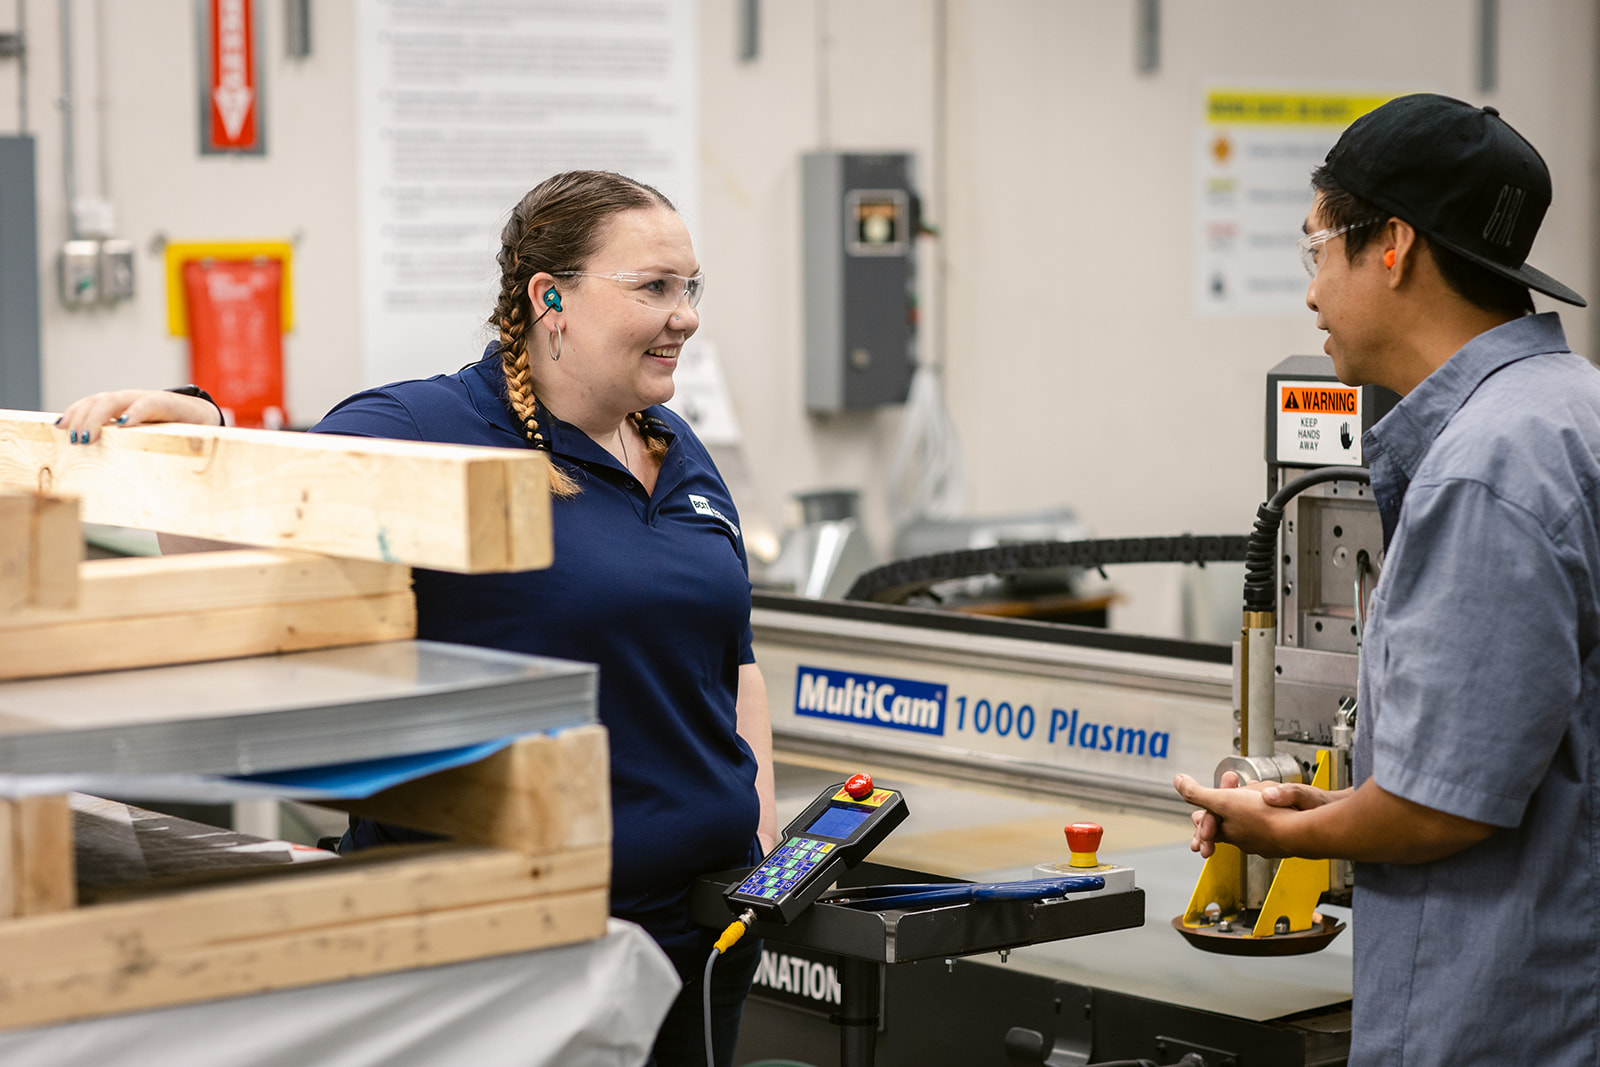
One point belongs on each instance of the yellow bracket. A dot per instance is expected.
(1221, 882)
(1299, 883)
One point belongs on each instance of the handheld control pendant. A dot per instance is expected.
(837, 830)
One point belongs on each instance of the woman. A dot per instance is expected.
(598, 292)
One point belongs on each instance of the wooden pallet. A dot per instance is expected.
(529, 868)
(529, 862)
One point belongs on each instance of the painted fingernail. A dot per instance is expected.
(74, 436)
(121, 419)
(58, 422)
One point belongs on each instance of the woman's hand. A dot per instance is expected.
(130, 407)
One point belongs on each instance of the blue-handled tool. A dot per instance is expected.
(884, 897)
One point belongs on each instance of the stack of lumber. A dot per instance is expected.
(318, 595)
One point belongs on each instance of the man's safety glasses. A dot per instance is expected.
(655, 289)
(1310, 245)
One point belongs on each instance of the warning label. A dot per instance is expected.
(1321, 400)
(1319, 424)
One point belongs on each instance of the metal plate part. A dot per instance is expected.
(1239, 942)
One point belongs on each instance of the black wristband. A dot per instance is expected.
(195, 390)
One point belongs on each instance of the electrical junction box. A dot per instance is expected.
(116, 269)
(80, 273)
(860, 221)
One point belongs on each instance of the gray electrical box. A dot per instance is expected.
(80, 273)
(116, 269)
(860, 222)
(19, 277)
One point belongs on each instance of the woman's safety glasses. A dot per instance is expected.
(655, 289)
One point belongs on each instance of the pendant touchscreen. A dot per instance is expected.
(837, 830)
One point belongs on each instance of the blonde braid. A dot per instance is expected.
(655, 445)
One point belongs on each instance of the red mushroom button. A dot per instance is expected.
(859, 786)
(1083, 838)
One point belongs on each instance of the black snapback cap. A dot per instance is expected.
(1458, 173)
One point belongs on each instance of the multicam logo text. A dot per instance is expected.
(870, 700)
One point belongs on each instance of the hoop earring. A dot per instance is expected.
(555, 350)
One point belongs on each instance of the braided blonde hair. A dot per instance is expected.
(556, 227)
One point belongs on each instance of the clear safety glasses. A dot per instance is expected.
(655, 289)
(1310, 245)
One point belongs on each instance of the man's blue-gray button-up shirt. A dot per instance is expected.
(1480, 696)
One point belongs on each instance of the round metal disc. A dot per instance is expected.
(1239, 942)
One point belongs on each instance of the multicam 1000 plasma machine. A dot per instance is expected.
(1096, 720)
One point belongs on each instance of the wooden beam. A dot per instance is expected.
(153, 611)
(302, 957)
(388, 909)
(378, 884)
(227, 633)
(41, 546)
(144, 586)
(449, 507)
(16, 550)
(542, 793)
(36, 863)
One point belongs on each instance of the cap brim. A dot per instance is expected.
(1538, 279)
(1532, 277)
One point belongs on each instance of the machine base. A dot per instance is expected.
(984, 1013)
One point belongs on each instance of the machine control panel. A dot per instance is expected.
(838, 829)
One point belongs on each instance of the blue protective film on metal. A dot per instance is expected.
(366, 777)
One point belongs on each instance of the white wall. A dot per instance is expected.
(1077, 371)
(1088, 374)
(302, 190)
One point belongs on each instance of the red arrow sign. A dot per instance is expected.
(233, 126)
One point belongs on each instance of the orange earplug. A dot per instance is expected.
(1388, 258)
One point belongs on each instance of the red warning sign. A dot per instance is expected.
(1320, 400)
(233, 96)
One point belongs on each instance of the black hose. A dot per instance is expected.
(894, 583)
(1261, 552)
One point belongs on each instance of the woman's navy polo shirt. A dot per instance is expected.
(654, 589)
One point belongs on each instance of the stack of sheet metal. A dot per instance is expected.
(273, 713)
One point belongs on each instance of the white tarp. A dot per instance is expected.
(595, 1004)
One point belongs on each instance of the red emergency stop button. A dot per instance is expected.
(859, 786)
(1083, 838)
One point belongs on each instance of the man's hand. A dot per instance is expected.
(1241, 817)
(1369, 824)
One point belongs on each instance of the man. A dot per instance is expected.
(1475, 818)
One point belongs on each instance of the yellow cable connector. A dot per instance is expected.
(735, 931)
